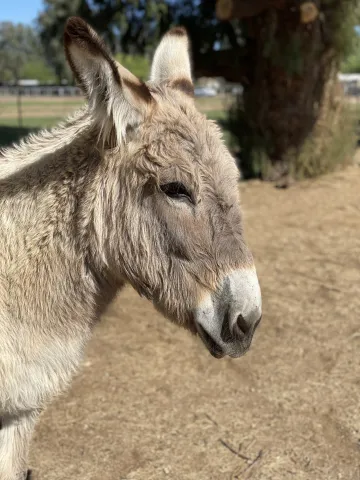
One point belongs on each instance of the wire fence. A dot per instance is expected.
(38, 90)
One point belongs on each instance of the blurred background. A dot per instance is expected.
(282, 78)
(273, 73)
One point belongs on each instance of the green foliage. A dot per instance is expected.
(340, 19)
(127, 26)
(137, 64)
(38, 70)
(351, 63)
(18, 45)
(21, 54)
(51, 23)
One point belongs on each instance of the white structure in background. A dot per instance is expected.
(210, 87)
(27, 82)
(205, 92)
(350, 83)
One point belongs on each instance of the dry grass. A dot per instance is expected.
(38, 107)
(57, 107)
(45, 112)
(330, 149)
(151, 404)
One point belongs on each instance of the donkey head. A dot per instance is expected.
(168, 217)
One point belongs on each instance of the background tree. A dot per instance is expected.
(18, 45)
(351, 62)
(285, 53)
(293, 50)
(130, 27)
(51, 24)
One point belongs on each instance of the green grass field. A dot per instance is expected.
(30, 122)
(45, 112)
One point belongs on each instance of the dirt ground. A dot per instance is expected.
(151, 404)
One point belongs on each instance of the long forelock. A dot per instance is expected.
(178, 130)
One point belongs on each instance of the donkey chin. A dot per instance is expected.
(227, 319)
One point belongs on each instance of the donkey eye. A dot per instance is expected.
(176, 190)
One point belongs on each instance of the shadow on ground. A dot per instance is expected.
(10, 134)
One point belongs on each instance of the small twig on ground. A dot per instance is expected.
(258, 457)
(232, 450)
(211, 419)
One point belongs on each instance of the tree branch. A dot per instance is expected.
(229, 9)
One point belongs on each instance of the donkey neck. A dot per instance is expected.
(42, 145)
(44, 179)
(47, 203)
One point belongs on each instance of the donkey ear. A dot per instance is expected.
(171, 63)
(117, 98)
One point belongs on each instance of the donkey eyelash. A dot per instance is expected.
(176, 191)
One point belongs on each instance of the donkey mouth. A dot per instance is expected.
(214, 349)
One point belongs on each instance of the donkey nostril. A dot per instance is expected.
(226, 334)
(242, 325)
(240, 330)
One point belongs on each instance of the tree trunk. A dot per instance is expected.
(292, 85)
(287, 92)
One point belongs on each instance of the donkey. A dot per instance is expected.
(136, 188)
